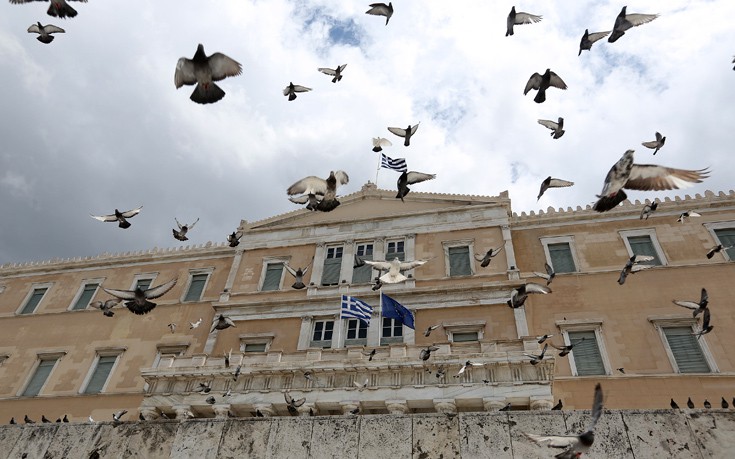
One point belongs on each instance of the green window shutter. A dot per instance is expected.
(727, 238)
(459, 261)
(143, 284)
(332, 268)
(642, 245)
(33, 301)
(196, 287)
(561, 258)
(586, 353)
(100, 375)
(364, 273)
(39, 377)
(85, 297)
(687, 353)
(254, 347)
(273, 274)
(464, 337)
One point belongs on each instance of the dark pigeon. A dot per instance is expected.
(137, 300)
(203, 71)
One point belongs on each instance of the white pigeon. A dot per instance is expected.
(555, 126)
(193, 325)
(203, 71)
(405, 133)
(336, 73)
(626, 21)
(292, 89)
(44, 32)
(394, 268)
(379, 143)
(362, 386)
(172, 327)
(312, 188)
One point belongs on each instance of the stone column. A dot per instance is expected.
(266, 409)
(349, 405)
(445, 406)
(304, 333)
(183, 412)
(493, 403)
(221, 411)
(396, 406)
(150, 413)
(541, 402)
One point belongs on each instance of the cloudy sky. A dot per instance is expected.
(93, 122)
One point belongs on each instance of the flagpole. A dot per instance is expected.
(380, 161)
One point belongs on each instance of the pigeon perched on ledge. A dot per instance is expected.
(203, 71)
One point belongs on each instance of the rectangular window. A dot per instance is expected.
(196, 287)
(143, 284)
(459, 261)
(587, 357)
(392, 331)
(43, 370)
(561, 257)
(464, 337)
(34, 300)
(100, 374)
(395, 249)
(273, 275)
(322, 335)
(356, 332)
(643, 245)
(86, 296)
(727, 239)
(363, 274)
(685, 348)
(254, 347)
(332, 266)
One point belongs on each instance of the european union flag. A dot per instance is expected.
(395, 310)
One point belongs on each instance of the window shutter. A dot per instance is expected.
(332, 268)
(33, 301)
(642, 245)
(196, 287)
(273, 274)
(687, 353)
(464, 337)
(39, 377)
(727, 238)
(364, 273)
(85, 297)
(561, 258)
(100, 375)
(586, 353)
(459, 261)
(143, 283)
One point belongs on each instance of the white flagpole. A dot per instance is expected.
(341, 324)
(380, 161)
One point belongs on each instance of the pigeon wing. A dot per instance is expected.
(308, 185)
(223, 66)
(549, 124)
(34, 29)
(559, 183)
(50, 28)
(636, 268)
(593, 37)
(379, 265)
(596, 408)
(131, 213)
(290, 270)
(532, 287)
(327, 71)
(652, 177)
(410, 264)
(381, 142)
(651, 144)
(416, 177)
(526, 18)
(342, 177)
(192, 225)
(157, 292)
(533, 83)
(556, 81)
(378, 9)
(398, 131)
(303, 199)
(104, 218)
(542, 275)
(184, 73)
(686, 304)
(494, 252)
(414, 128)
(299, 88)
(635, 19)
(122, 294)
(704, 299)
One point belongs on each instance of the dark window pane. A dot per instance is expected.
(85, 297)
(39, 377)
(332, 266)
(33, 301)
(561, 258)
(464, 337)
(143, 284)
(100, 375)
(459, 261)
(254, 347)
(273, 274)
(687, 353)
(196, 287)
(642, 245)
(586, 353)
(394, 250)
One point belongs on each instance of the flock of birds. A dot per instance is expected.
(319, 194)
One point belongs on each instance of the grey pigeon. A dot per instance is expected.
(379, 143)
(622, 370)
(58, 8)
(626, 21)
(430, 329)
(234, 239)
(489, 255)
(519, 18)
(426, 352)
(567, 348)
(687, 214)
(106, 307)
(541, 339)
(320, 193)
(655, 144)
(293, 404)
(535, 359)
(507, 407)
(204, 388)
(28, 420)
(370, 354)
(12, 421)
(183, 229)
(674, 405)
(633, 265)
(696, 307)
(405, 133)
(336, 73)
(549, 275)
(552, 183)
(555, 126)
(65, 419)
(116, 416)
(172, 326)
(45, 32)
(120, 217)
(203, 71)
(211, 400)
(626, 174)
(707, 404)
(519, 295)
(381, 9)
(292, 89)
(648, 209)
(238, 370)
(409, 178)
(222, 322)
(298, 274)
(44, 419)
(359, 262)
(706, 327)
(137, 300)
(574, 445)
(558, 406)
(717, 249)
(589, 38)
(542, 83)
(377, 284)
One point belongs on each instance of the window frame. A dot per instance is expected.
(56, 356)
(546, 241)
(196, 272)
(396, 240)
(650, 232)
(264, 270)
(661, 322)
(357, 245)
(256, 338)
(105, 352)
(712, 227)
(341, 258)
(143, 276)
(355, 341)
(34, 286)
(470, 244)
(315, 343)
(80, 292)
(393, 339)
(472, 326)
(585, 326)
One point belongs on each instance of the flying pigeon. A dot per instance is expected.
(312, 186)
(626, 21)
(204, 388)
(234, 238)
(138, 299)
(119, 217)
(211, 400)
(293, 404)
(116, 416)
(409, 178)
(106, 307)
(440, 372)
(549, 276)
(238, 370)
(655, 145)
(222, 323)
(489, 255)
(688, 214)
(336, 73)
(44, 419)
(707, 404)
(542, 83)
(555, 126)
(724, 404)
(697, 308)
(541, 339)
(57, 9)
(552, 183)
(535, 359)
(377, 284)
(558, 406)
(567, 348)
(359, 262)
(519, 18)
(625, 174)
(648, 209)
(193, 325)
(45, 32)
(381, 9)
(465, 366)
(405, 133)
(183, 229)
(622, 370)
(292, 89)
(203, 71)
(717, 249)
(430, 329)
(172, 327)
(228, 393)
(370, 354)
(519, 295)
(574, 445)
(674, 405)
(589, 38)
(506, 407)
(690, 403)
(706, 327)
(379, 143)
(362, 386)
(633, 265)
(394, 268)
(298, 274)
(426, 352)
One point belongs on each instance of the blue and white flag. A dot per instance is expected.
(395, 310)
(398, 164)
(352, 308)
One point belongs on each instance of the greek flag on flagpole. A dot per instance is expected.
(398, 164)
(352, 308)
